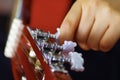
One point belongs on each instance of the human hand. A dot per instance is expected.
(93, 24)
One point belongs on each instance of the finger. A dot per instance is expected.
(97, 33)
(112, 35)
(84, 46)
(86, 23)
(70, 23)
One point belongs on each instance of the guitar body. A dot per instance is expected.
(46, 15)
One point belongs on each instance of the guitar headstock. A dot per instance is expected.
(38, 56)
(54, 54)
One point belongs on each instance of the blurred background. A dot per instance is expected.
(6, 7)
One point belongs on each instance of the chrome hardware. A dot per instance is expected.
(56, 55)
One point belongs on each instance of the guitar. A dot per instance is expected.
(36, 54)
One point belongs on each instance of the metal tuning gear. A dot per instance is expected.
(56, 55)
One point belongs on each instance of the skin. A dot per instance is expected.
(93, 24)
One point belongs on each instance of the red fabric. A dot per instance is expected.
(48, 14)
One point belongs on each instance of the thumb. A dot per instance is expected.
(70, 23)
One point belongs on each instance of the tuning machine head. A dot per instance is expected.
(56, 55)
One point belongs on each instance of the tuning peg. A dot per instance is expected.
(76, 61)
